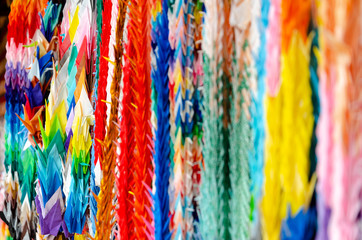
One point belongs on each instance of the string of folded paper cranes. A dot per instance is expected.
(182, 119)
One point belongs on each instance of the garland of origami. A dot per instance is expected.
(172, 188)
(51, 154)
(101, 108)
(187, 128)
(94, 186)
(40, 75)
(214, 189)
(297, 118)
(339, 151)
(105, 140)
(49, 200)
(139, 23)
(76, 55)
(15, 78)
(136, 137)
(294, 106)
(197, 105)
(162, 129)
(224, 45)
(177, 41)
(106, 213)
(19, 162)
(256, 161)
(125, 166)
(304, 225)
(244, 76)
(270, 216)
(239, 170)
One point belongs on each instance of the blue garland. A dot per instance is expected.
(162, 141)
(256, 158)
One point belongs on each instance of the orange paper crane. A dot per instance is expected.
(136, 126)
(126, 146)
